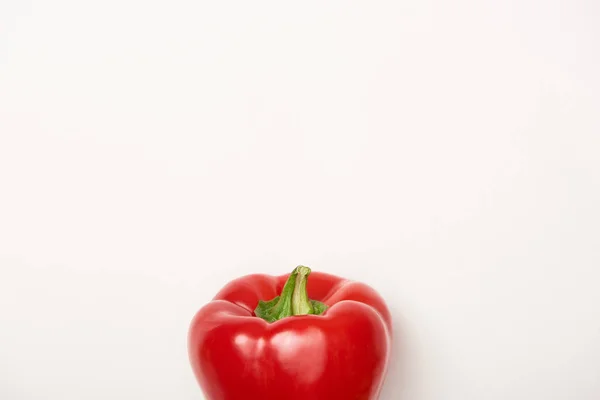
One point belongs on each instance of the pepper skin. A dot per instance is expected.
(341, 354)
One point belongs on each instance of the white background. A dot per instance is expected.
(445, 152)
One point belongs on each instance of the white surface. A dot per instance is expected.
(444, 152)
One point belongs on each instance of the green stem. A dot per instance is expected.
(301, 305)
(292, 301)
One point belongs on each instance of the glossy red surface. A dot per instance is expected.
(341, 354)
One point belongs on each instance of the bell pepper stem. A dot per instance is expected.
(301, 305)
(293, 300)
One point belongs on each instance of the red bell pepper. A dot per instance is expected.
(291, 338)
